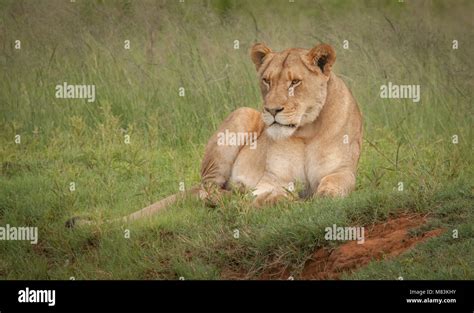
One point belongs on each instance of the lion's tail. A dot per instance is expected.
(158, 206)
(143, 213)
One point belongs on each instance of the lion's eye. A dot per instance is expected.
(266, 81)
(295, 82)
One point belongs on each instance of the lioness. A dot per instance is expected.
(309, 132)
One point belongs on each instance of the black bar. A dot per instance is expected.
(238, 296)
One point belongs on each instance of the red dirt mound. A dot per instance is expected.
(384, 240)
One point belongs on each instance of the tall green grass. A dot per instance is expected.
(191, 45)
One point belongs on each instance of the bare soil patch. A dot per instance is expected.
(382, 241)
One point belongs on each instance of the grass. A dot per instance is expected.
(191, 45)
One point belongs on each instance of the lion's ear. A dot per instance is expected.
(322, 56)
(258, 52)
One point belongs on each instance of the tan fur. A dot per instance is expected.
(319, 146)
(321, 150)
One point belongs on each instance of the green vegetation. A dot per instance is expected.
(191, 45)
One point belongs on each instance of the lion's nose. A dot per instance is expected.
(274, 111)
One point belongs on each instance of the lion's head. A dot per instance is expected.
(293, 84)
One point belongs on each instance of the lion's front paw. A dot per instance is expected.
(330, 190)
(268, 198)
